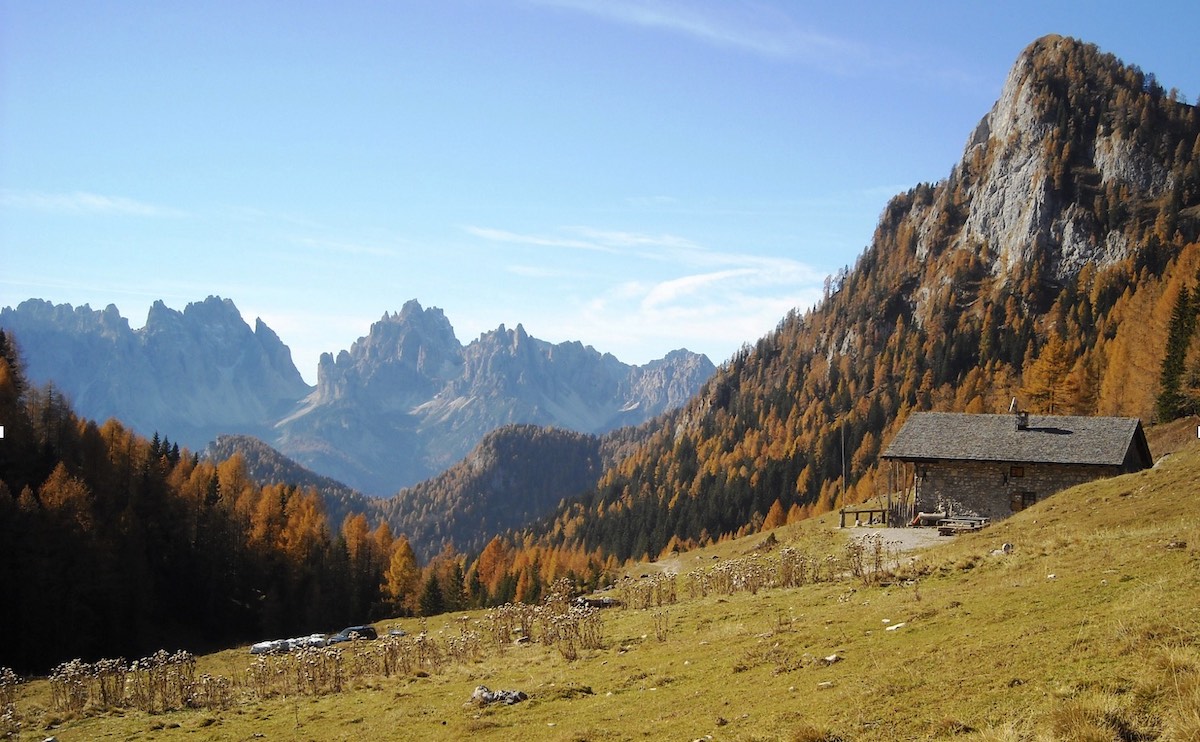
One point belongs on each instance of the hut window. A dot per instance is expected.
(1016, 471)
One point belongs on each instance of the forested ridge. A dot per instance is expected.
(516, 474)
(268, 466)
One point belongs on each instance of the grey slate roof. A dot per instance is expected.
(1056, 439)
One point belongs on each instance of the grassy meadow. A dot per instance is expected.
(1086, 630)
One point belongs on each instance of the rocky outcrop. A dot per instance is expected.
(1025, 190)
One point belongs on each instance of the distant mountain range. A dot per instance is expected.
(403, 404)
(189, 375)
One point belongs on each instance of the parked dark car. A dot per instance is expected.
(350, 633)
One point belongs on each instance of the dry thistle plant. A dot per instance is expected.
(109, 682)
(9, 723)
(656, 590)
(466, 647)
(69, 686)
(662, 625)
(213, 692)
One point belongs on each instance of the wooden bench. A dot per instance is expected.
(964, 524)
(871, 513)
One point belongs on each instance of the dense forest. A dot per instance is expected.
(268, 466)
(113, 544)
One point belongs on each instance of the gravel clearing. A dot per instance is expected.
(904, 539)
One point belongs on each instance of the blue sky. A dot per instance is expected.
(639, 176)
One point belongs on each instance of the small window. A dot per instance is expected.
(1016, 471)
(1021, 500)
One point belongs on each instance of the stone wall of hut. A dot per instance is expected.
(995, 490)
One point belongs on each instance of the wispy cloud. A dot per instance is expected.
(532, 240)
(644, 290)
(672, 291)
(83, 203)
(589, 238)
(712, 313)
(680, 251)
(619, 239)
(749, 281)
(748, 26)
(537, 271)
(347, 248)
(771, 31)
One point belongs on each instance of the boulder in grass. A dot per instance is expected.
(483, 696)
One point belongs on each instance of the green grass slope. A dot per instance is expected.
(1086, 630)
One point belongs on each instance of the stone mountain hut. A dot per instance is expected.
(994, 465)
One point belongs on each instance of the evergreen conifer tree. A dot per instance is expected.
(432, 603)
(1170, 402)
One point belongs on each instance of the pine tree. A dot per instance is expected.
(454, 589)
(432, 601)
(1170, 402)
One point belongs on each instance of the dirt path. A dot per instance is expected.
(897, 540)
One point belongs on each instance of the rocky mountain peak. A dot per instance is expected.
(1016, 116)
(413, 350)
(1045, 175)
(111, 320)
(408, 400)
(160, 314)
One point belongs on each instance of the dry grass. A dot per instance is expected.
(1087, 630)
(1173, 436)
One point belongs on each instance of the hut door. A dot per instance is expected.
(1022, 500)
